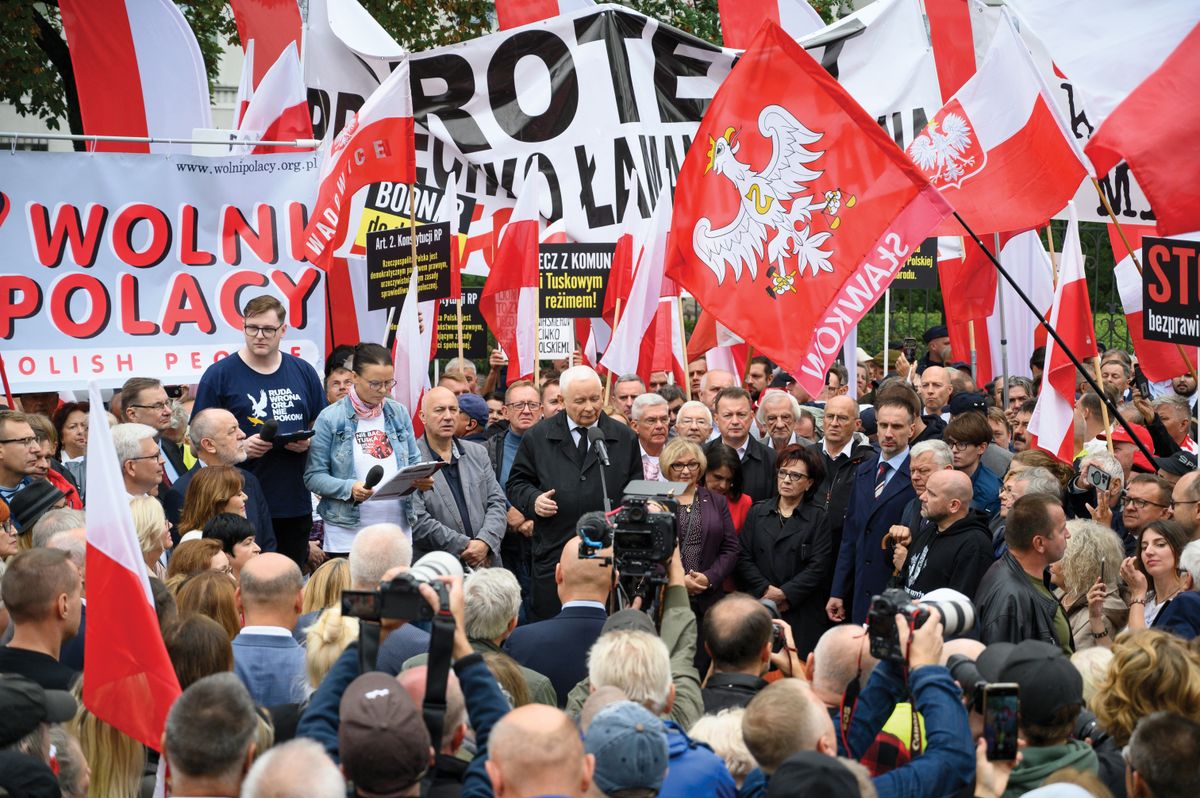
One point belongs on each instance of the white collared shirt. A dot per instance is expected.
(894, 462)
(585, 603)
(649, 458)
(273, 631)
(575, 429)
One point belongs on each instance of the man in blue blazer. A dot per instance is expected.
(218, 440)
(882, 487)
(266, 657)
(558, 647)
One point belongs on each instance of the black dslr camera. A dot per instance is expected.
(641, 532)
(398, 599)
(958, 616)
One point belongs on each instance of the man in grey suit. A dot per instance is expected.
(464, 513)
(266, 657)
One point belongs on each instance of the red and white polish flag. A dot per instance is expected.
(376, 145)
(245, 87)
(515, 13)
(274, 24)
(128, 680)
(998, 150)
(278, 110)
(509, 298)
(138, 71)
(1052, 426)
(411, 355)
(741, 19)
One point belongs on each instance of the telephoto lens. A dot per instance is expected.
(957, 611)
(435, 564)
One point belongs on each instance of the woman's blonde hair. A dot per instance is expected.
(1151, 671)
(117, 761)
(723, 733)
(675, 450)
(325, 641)
(510, 678)
(1090, 544)
(148, 520)
(325, 586)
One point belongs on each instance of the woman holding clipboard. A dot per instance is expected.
(363, 431)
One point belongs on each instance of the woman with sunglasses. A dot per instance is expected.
(707, 543)
(364, 429)
(786, 550)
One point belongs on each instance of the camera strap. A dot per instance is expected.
(915, 742)
(441, 644)
(848, 705)
(368, 646)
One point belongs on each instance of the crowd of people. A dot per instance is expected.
(797, 638)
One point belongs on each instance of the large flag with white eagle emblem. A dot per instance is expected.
(998, 150)
(794, 210)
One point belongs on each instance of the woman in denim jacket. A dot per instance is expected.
(365, 428)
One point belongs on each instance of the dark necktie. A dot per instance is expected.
(581, 449)
(881, 479)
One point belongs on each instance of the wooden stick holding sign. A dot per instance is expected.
(608, 380)
(687, 382)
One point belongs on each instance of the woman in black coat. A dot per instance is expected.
(786, 551)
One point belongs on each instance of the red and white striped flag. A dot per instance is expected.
(245, 87)
(138, 72)
(128, 680)
(638, 314)
(278, 109)
(741, 19)
(376, 145)
(274, 24)
(411, 355)
(1052, 427)
(515, 13)
(509, 298)
(1159, 360)
(998, 150)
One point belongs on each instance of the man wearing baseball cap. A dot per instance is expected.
(630, 748)
(1051, 699)
(382, 739)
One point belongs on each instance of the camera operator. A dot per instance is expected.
(738, 635)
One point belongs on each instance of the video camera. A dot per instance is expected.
(641, 532)
(399, 598)
(957, 613)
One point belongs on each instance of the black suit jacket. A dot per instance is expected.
(558, 647)
(173, 454)
(546, 461)
(256, 507)
(758, 471)
(71, 654)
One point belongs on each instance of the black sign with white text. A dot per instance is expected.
(573, 279)
(1171, 290)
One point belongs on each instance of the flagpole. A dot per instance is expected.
(609, 378)
(412, 238)
(974, 355)
(687, 383)
(8, 394)
(1137, 264)
(887, 313)
(458, 325)
(1003, 322)
(537, 330)
(1020, 292)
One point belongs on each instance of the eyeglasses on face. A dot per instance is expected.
(260, 331)
(791, 476)
(29, 442)
(689, 467)
(524, 405)
(157, 407)
(158, 455)
(381, 385)
(1140, 504)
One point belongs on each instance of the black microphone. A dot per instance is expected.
(596, 437)
(373, 478)
(269, 428)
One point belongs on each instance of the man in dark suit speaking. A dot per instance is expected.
(555, 478)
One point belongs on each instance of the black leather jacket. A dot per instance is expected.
(1010, 609)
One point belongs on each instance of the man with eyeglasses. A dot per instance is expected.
(522, 409)
(651, 421)
(19, 452)
(261, 384)
(733, 415)
(144, 401)
(968, 436)
(140, 458)
(1147, 499)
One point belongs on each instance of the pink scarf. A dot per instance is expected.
(363, 410)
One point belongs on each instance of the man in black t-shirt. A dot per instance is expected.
(43, 592)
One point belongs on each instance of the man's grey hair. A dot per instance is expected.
(1106, 463)
(280, 591)
(55, 521)
(75, 547)
(204, 425)
(576, 374)
(630, 378)
(942, 455)
(1022, 382)
(461, 364)
(644, 402)
(694, 404)
(210, 728)
(638, 663)
(776, 396)
(1174, 400)
(127, 439)
(1040, 480)
(1189, 560)
(492, 597)
(299, 768)
(377, 549)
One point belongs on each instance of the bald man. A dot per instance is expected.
(935, 391)
(961, 552)
(464, 513)
(558, 646)
(266, 657)
(535, 750)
